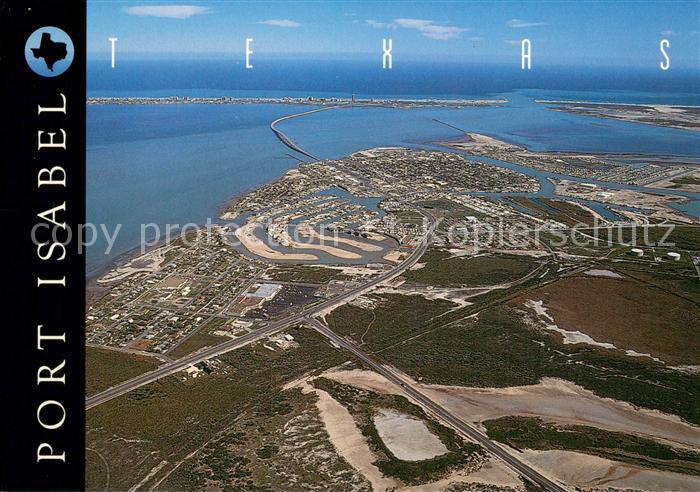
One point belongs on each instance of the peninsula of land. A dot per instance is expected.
(310, 100)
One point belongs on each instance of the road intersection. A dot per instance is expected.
(308, 316)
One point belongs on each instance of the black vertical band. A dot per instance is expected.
(25, 305)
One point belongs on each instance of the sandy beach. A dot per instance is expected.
(337, 252)
(246, 235)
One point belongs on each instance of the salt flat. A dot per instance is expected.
(408, 438)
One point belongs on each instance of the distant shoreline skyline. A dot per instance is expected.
(284, 76)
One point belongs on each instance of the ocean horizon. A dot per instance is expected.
(342, 78)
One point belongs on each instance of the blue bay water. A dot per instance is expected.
(174, 165)
(335, 133)
(179, 163)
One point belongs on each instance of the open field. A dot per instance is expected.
(104, 368)
(586, 472)
(394, 317)
(686, 180)
(658, 205)
(451, 211)
(686, 286)
(684, 237)
(562, 211)
(302, 273)
(627, 313)
(202, 338)
(532, 433)
(441, 269)
(444, 206)
(409, 217)
(499, 348)
(281, 446)
(684, 117)
(169, 419)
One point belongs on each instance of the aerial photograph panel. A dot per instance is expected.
(388, 246)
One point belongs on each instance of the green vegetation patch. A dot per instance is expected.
(96, 471)
(685, 180)
(674, 237)
(533, 433)
(202, 338)
(363, 405)
(410, 217)
(170, 418)
(449, 212)
(442, 270)
(106, 368)
(305, 274)
(562, 211)
(499, 349)
(285, 451)
(394, 318)
(442, 205)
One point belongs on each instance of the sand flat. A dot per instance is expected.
(346, 437)
(563, 402)
(596, 272)
(553, 400)
(407, 437)
(591, 472)
(246, 235)
(493, 472)
(331, 250)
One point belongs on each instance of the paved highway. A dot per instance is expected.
(271, 328)
(468, 430)
(306, 315)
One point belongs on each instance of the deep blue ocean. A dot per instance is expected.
(178, 164)
(367, 79)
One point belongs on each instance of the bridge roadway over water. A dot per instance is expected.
(288, 141)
